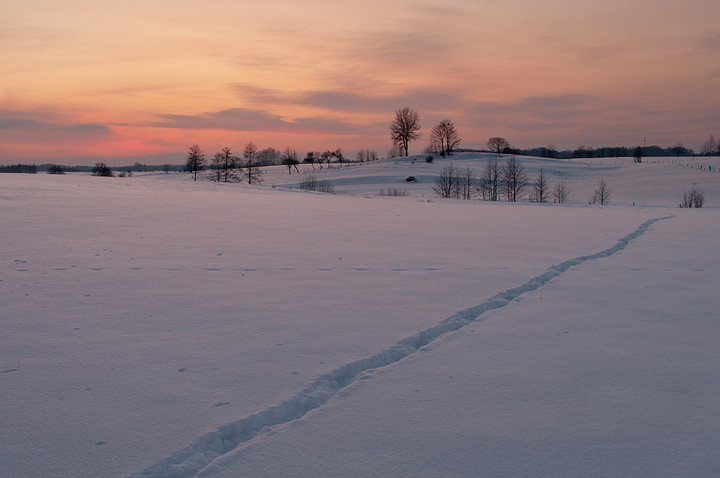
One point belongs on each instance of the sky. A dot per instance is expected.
(82, 80)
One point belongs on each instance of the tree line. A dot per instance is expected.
(225, 166)
(444, 140)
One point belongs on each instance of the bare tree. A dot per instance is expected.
(709, 147)
(195, 160)
(366, 155)
(602, 193)
(444, 138)
(250, 153)
(227, 163)
(396, 151)
(216, 166)
(677, 149)
(490, 181)
(466, 183)
(514, 179)
(268, 157)
(638, 154)
(405, 128)
(498, 144)
(445, 184)
(101, 169)
(326, 157)
(289, 159)
(540, 188)
(310, 158)
(561, 191)
(252, 172)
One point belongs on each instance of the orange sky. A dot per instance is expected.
(81, 80)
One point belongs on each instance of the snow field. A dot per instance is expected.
(144, 314)
(595, 374)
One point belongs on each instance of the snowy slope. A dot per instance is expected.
(654, 182)
(604, 371)
(142, 315)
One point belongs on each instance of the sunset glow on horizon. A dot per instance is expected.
(135, 79)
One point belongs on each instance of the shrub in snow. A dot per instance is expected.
(694, 198)
(392, 192)
(101, 169)
(310, 182)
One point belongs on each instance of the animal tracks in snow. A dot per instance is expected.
(203, 451)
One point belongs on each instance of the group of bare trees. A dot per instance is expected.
(225, 166)
(405, 128)
(367, 155)
(508, 180)
(455, 183)
(314, 157)
(444, 138)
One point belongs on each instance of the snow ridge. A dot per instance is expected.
(194, 458)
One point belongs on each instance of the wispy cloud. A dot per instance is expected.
(12, 121)
(349, 102)
(712, 42)
(538, 109)
(240, 119)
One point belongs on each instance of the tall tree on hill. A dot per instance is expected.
(444, 138)
(405, 128)
(498, 144)
(195, 160)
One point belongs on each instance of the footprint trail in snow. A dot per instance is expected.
(192, 459)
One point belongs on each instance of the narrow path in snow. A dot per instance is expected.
(191, 460)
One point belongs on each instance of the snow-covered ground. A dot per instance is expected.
(155, 326)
